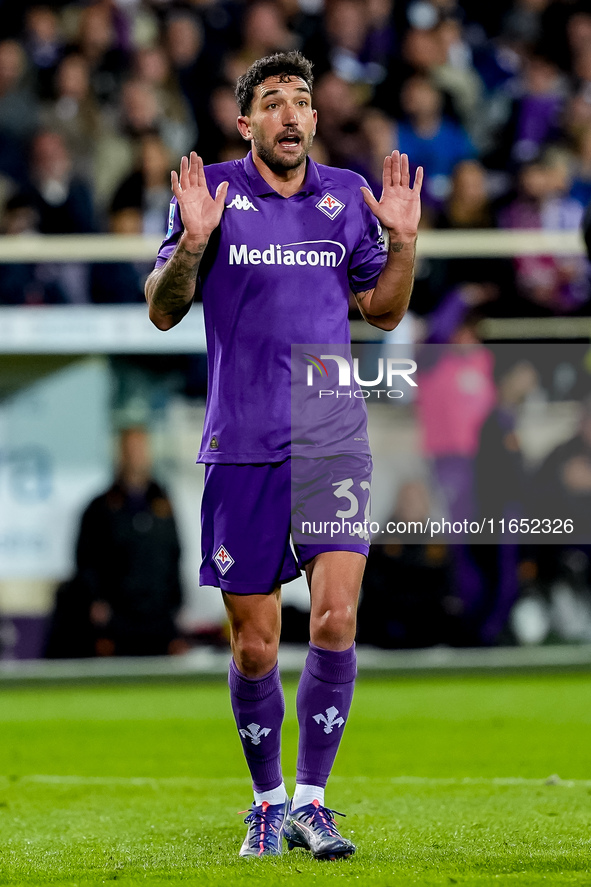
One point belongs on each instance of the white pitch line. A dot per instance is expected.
(156, 782)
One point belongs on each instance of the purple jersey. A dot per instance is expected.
(277, 271)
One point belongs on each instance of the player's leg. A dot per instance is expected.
(324, 697)
(255, 688)
(258, 705)
(326, 687)
(246, 553)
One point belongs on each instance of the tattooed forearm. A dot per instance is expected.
(170, 289)
(385, 305)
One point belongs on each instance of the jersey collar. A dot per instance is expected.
(261, 188)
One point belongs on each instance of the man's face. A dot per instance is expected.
(281, 123)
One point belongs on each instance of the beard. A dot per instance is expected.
(278, 163)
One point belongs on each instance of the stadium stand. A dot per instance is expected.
(98, 101)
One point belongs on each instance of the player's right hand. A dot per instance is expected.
(200, 212)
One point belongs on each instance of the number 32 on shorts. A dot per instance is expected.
(343, 490)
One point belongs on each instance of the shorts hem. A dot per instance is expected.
(209, 577)
(310, 551)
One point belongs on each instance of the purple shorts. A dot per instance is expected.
(247, 513)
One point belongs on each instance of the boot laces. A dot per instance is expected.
(262, 826)
(323, 818)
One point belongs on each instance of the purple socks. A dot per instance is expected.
(258, 707)
(324, 698)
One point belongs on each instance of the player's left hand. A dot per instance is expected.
(399, 208)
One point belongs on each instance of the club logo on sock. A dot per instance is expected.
(255, 733)
(330, 720)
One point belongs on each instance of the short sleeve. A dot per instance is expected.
(173, 233)
(369, 256)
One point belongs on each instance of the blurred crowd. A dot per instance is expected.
(98, 101)
(518, 576)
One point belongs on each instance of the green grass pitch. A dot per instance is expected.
(443, 779)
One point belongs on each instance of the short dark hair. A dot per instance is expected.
(283, 65)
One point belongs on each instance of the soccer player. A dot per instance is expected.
(275, 243)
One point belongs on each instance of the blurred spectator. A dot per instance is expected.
(581, 183)
(378, 132)
(523, 21)
(563, 481)
(142, 113)
(340, 122)
(102, 42)
(44, 45)
(126, 592)
(153, 67)
(536, 112)
(563, 491)
(26, 284)
(195, 67)
(502, 492)
(555, 284)
(468, 206)
(64, 204)
(221, 140)
(148, 187)
(74, 112)
(63, 201)
(18, 103)
(456, 75)
(429, 139)
(407, 598)
(502, 488)
(382, 39)
(454, 397)
(18, 110)
(358, 55)
(265, 30)
(120, 282)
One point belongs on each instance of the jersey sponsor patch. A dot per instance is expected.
(330, 206)
(171, 213)
(241, 201)
(326, 253)
(223, 559)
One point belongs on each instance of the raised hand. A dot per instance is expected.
(200, 212)
(399, 208)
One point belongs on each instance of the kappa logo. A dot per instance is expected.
(330, 206)
(255, 733)
(241, 201)
(330, 720)
(223, 559)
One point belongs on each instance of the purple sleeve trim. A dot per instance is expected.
(164, 254)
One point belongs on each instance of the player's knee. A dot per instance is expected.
(333, 626)
(255, 655)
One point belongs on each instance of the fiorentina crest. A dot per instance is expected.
(330, 720)
(330, 206)
(255, 733)
(223, 559)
